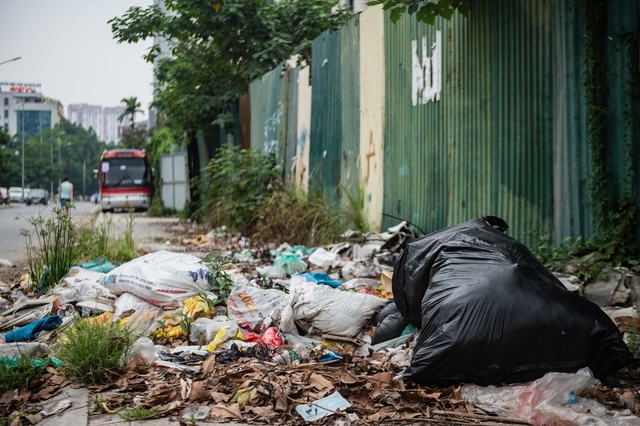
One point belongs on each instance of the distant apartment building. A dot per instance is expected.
(86, 116)
(111, 125)
(25, 110)
(104, 121)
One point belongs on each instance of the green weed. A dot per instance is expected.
(94, 352)
(221, 282)
(16, 373)
(52, 248)
(97, 241)
(130, 414)
(633, 342)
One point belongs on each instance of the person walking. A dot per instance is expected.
(66, 194)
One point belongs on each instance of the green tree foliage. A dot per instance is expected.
(217, 47)
(78, 149)
(131, 137)
(426, 10)
(9, 164)
(132, 106)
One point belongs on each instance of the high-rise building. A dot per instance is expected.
(87, 116)
(111, 126)
(24, 109)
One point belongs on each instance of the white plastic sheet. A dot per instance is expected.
(549, 400)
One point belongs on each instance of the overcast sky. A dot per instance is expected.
(67, 46)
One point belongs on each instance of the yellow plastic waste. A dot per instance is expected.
(194, 305)
(224, 335)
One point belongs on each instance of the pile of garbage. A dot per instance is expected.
(383, 326)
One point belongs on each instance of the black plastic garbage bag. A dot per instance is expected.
(489, 312)
(389, 324)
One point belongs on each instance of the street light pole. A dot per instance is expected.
(23, 102)
(11, 60)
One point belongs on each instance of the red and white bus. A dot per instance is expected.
(125, 179)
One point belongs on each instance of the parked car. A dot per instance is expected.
(15, 194)
(4, 195)
(37, 196)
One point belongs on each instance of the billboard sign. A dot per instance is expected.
(20, 87)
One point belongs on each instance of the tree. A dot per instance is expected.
(131, 107)
(426, 10)
(131, 138)
(9, 163)
(218, 47)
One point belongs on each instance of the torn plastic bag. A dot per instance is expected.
(162, 278)
(549, 400)
(389, 324)
(490, 312)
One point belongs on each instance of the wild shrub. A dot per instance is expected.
(240, 182)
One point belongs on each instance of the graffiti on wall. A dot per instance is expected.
(426, 74)
(271, 130)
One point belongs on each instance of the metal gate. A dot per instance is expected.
(174, 181)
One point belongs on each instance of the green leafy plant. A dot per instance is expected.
(130, 414)
(94, 352)
(52, 248)
(426, 10)
(240, 182)
(221, 282)
(633, 342)
(16, 373)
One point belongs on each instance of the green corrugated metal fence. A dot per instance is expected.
(467, 126)
(325, 161)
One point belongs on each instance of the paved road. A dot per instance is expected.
(15, 217)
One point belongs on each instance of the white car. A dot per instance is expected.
(16, 196)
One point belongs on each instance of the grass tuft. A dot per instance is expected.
(130, 414)
(16, 373)
(94, 352)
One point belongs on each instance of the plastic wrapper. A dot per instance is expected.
(324, 259)
(490, 312)
(291, 263)
(549, 400)
(272, 337)
(224, 335)
(143, 319)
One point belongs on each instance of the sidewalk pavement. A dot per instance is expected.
(78, 414)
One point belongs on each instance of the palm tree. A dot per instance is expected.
(131, 107)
